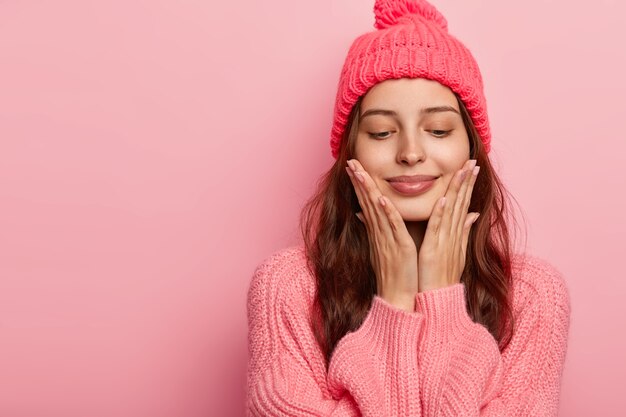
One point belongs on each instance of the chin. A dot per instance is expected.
(415, 211)
(414, 208)
(415, 217)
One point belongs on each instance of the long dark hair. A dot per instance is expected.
(337, 248)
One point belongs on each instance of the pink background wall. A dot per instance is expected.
(152, 153)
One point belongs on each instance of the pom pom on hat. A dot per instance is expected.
(391, 12)
(411, 40)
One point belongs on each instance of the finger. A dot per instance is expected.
(460, 208)
(396, 222)
(357, 188)
(436, 216)
(369, 227)
(369, 212)
(373, 194)
(364, 201)
(451, 196)
(472, 217)
(468, 192)
(359, 194)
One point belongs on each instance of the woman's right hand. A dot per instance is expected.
(392, 250)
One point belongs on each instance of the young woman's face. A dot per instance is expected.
(424, 135)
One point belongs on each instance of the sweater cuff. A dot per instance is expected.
(386, 328)
(445, 308)
(379, 354)
(391, 323)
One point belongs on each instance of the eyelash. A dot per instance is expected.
(374, 135)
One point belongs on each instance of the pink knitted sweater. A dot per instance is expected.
(432, 362)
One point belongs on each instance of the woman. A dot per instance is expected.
(402, 301)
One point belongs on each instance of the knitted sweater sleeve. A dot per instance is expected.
(432, 362)
(463, 373)
(372, 371)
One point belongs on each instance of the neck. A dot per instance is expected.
(417, 230)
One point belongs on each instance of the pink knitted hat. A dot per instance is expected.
(411, 41)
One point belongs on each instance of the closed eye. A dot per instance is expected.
(441, 133)
(383, 135)
(378, 135)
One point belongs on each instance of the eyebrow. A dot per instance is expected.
(426, 110)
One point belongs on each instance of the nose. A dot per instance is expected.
(410, 149)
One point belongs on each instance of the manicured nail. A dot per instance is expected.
(475, 171)
(382, 201)
(472, 163)
(476, 217)
(351, 165)
(359, 176)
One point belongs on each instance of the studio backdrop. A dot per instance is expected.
(153, 153)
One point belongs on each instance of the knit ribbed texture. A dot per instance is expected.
(411, 41)
(434, 361)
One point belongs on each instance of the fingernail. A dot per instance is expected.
(349, 172)
(472, 163)
(351, 165)
(358, 215)
(443, 201)
(359, 176)
(475, 171)
(476, 217)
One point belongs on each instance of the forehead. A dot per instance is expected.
(408, 94)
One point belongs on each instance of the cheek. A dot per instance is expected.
(374, 165)
(451, 155)
(374, 154)
(446, 180)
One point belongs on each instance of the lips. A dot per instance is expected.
(412, 178)
(412, 185)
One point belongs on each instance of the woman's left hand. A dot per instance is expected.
(441, 258)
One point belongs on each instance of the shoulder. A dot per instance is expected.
(538, 284)
(283, 277)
